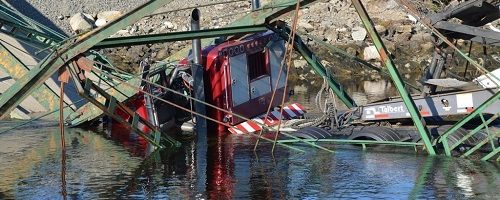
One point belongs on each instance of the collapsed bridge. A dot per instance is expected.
(107, 90)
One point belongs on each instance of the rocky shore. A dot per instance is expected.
(333, 21)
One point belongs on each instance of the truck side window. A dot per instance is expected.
(257, 65)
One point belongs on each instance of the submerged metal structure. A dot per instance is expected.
(104, 92)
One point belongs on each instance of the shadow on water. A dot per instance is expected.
(99, 166)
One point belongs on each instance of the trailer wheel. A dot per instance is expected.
(313, 133)
(482, 135)
(453, 138)
(376, 133)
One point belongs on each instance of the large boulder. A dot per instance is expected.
(404, 29)
(100, 22)
(306, 26)
(81, 22)
(106, 16)
(358, 34)
(300, 63)
(381, 30)
(371, 53)
(331, 35)
(109, 15)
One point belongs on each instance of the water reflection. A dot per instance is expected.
(64, 192)
(362, 92)
(97, 167)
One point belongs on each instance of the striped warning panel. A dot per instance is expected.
(289, 112)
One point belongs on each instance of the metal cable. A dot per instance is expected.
(287, 49)
(178, 93)
(63, 141)
(192, 112)
(264, 126)
(290, 45)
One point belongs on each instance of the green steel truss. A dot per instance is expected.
(492, 134)
(42, 93)
(67, 51)
(315, 63)
(108, 103)
(396, 77)
(177, 36)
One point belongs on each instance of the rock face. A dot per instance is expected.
(333, 21)
(81, 22)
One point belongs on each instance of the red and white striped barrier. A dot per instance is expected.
(292, 111)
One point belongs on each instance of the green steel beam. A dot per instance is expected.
(177, 36)
(269, 12)
(42, 93)
(11, 15)
(474, 131)
(315, 63)
(444, 138)
(343, 53)
(384, 55)
(491, 154)
(264, 15)
(259, 17)
(354, 142)
(479, 145)
(19, 19)
(66, 53)
(492, 142)
(28, 34)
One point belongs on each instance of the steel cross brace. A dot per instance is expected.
(444, 138)
(396, 78)
(27, 34)
(244, 24)
(177, 36)
(85, 86)
(16, 69)
(315, 63)
(269, 12)
(66, 53)
(265, 15)
(21, 21)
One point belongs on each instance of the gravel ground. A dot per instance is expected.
(334, 21)
(56, 13)
(49, 11)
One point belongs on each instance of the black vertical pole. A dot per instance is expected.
(199, 93)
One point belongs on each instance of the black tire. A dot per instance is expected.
(456, 136)
(376, 133)
(313, 133)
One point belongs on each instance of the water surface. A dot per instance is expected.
(100, 165)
